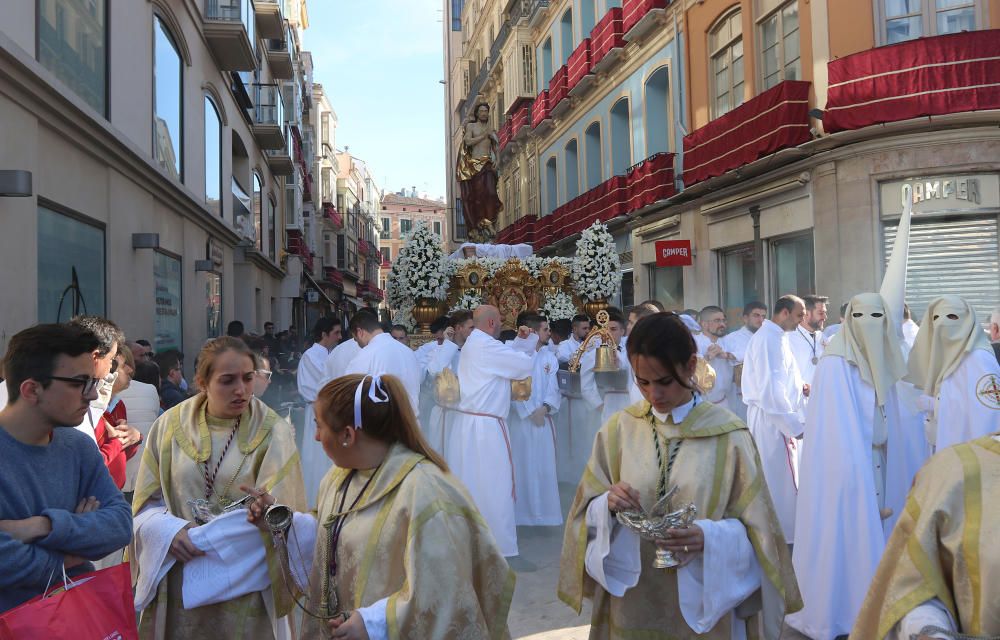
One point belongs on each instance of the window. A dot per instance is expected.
(657, 112)
(592, 149)
(70, 267)
(341, 252)
(386, 255)
(572, 168)
(168, 117)
(460, 232)
(666, 284)
(532, 187)
(456, 15)
(386, 232)
(437, 227)
(326, 175)
(405, 226)
(545, 65)
(909, 19)
(213, 158)
(779, 42)
(258, 213)
(621, 145)
(73, 45)
(527, 70)
(167, 314)
(792, 265)
(270, 228)
(515, 195)
(588, 16)
(566, 35)
(738, 275)
(551, 184)
(725, 43)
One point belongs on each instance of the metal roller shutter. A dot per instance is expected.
(954, 257)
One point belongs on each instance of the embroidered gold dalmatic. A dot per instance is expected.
(717, 468)
(944, 546)
(263, 454)
(416, 538)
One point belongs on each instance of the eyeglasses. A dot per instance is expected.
(263, 373)
(87, 385)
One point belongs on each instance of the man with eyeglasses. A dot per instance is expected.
(58, 505)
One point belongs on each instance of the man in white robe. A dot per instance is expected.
(754, 315)
(863, 452)
(447, 357)
(382, 354)
(339, 358)
(424, 354)
(605, 402)
(712, 346)
(954, 366)
(478, 447)
(806, 340)
(310, 378)
(581, 327)
(533, 437)
(775, 397)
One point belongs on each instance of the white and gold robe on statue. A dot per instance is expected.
(414, 556)
(745, 570)
(478, 447)
(181, 441)
(942, 563)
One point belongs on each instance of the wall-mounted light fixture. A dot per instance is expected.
(15, 183)
(204, 265)
(145, 241)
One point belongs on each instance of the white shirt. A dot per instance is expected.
(385, 355)
(738, 341)
(567, 348)
(341, 355)
(723, 368)
(807, 348)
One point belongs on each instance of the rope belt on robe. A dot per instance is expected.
(506, 439)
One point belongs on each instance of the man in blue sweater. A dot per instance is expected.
(59, 506)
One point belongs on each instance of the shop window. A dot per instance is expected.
(657, 112)
(779, 44)
(213, 304)
(71, 261)
(725, 43)
(592, 149)
(909, 19)
(73, 44)
(213, 158)
(167, 312)
(666, 285)
(572, 167)
(621, 144)
(168, 118)
(793, 267)
(738, 268)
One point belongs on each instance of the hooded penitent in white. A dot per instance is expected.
(953, 363)
(864, 448)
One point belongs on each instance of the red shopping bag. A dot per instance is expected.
(91, 606)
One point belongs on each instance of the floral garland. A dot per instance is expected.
(597, 268)
(558, 307)
(468, 302)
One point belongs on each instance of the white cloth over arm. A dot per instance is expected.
(932, 613)
(612, 557)
(154, 528)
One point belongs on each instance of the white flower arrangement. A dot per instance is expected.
(404, 316)
(468, 302)
(423, 269)
(558, 307)
(597, 268)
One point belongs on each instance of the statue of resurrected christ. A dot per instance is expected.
(477, 176)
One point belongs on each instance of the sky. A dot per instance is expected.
(380, 63)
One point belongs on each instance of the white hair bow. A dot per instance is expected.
(374, 392)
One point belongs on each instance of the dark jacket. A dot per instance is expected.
(170, 394)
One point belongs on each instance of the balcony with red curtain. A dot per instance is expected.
(307, 186)
(331, 214)
(952, 73)
(558, 90)
(541, 113)
(297, 246)
(521, 121)
(504, 134)
(639, 16)
(363, 248)
(606, 40)
(580, 76)
(521, 231)
(334, 277)
(774, 120)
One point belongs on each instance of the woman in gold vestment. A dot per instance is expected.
(198, 456)
(735, 564)
(401, 551)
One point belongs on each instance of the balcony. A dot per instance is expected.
(522, 231)
(639, 17)
(332, 217)
(539, 9)
(363, 248)
(504, 134)
(580, 77)
(607, 42)
(368, 291)
(229, 30)
(334, 277)
(297, 247)
(952, 73)
(520, 124)
(541, 114)
(498, 44)
(269, 116)
(270, 22)
(279, 58)
(559, 91)
(774, 120)
(280, 160)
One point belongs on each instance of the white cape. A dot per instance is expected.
(966, 407)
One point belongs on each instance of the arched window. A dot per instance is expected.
(572, 170)
(258, 211)
(545, 64)
(551, 184)
(595, 161)
(725, 45)
(213, 157)
(588, 16)
(657, 112)
(621, 145)
(566, 35)
(168, 96)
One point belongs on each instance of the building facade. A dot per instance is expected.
(399, 216)
(773, 136)
(163, 151)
